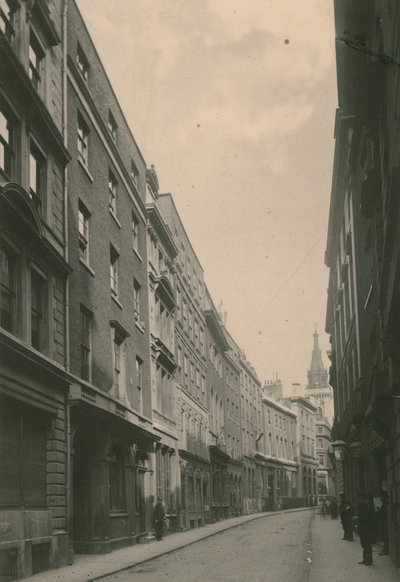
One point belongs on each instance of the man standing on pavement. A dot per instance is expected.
(365, 522)
(346, 517)
(159, 517)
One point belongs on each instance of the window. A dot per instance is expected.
(86, 324)
(117, 479)
(112, 192)
(8, 297)
(38, 302)
(23, 451)
(134, 174)
(135, 232)
(82, 63)
(139, 382)
(36, 176)
(114, 270)
(83, 140)
(7, 141)
(36, 56)
(117, 342)
(112, 126)
(136, 299)
(84, 216)
(7, 15)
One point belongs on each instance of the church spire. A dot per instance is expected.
(317, 375)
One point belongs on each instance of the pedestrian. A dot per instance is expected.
(384, 524)
(159, 518)
(365, 524)
(324, 508)
(346, 517)
(334, 509)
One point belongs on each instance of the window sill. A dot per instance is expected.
(140, 328)
(85, 169)
(138, 255)
(87, 267)
(116, 301)
(115, 218)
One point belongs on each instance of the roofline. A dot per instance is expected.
(168, 194)
(109, 82)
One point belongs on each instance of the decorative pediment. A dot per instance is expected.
(19, 201)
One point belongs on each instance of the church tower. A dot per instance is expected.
(317, 382)
(317, 375)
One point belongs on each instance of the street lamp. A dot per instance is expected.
(339, 447)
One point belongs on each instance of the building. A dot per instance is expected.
(250, 394)
(162, 252)
(216, 346)
(306, 453)
(278, 453)
(326, 477)
(362, 256)
(232, 424)
(109, 331)
(34, 378)
(191, 403)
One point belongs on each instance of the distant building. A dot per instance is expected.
(219, 456)
(278, 453)
(306, 450)
(162, 252)
(317, 382)
(192, 403)
(232, 425)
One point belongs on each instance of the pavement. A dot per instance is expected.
(336, 560)
(330, 558)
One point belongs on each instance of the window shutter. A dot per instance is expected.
(33, 469)
(9, 457)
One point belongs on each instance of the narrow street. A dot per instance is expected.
(271, 549)
(288, 547)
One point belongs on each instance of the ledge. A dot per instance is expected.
(85, 169)
(116, 301)
(137, 254)
(87, 267)
(117, 222)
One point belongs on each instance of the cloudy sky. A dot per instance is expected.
(233, 101)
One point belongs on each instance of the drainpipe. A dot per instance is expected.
(69, 508)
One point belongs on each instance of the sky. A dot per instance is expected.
(233, 101)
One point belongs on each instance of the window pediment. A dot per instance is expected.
(20, 201)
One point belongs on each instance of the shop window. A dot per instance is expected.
(22, 457)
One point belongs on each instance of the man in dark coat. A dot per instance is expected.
(159, 517)
(346, 517)
(365, 522)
